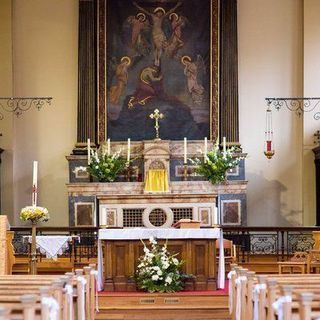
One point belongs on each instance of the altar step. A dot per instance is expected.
(177, 306)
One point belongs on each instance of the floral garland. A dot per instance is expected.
(34, 214)
(217, 163)
(159, 271)
(105, 167)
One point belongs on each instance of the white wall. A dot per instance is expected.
(45, 45)
(6, 125)
(270, 65)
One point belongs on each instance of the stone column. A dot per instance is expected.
(87, 84)
(317, 163)
(229, 104)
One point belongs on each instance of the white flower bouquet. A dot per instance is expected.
(34, 214)
(105, 167)
(217, 163)
(159, 271)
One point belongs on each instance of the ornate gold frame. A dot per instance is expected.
(102, 70)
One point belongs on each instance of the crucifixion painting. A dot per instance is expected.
(159, 56)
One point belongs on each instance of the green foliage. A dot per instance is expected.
(159, 271)
(217, 164)
(105, 167)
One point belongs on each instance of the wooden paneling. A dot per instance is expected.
(121, 258)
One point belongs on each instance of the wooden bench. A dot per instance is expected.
(249, 292)
(75, 294)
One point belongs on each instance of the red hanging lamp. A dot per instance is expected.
(268, 146)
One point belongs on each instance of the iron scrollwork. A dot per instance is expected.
(19, 105)
(297, 105)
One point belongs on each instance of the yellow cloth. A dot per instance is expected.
(157, 181)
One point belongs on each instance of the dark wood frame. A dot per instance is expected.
(101, 118)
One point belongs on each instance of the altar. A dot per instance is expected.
(119, 250)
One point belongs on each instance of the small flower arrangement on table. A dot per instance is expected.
(105, 167)
(216, 163)
(34, 214)
(160, 271)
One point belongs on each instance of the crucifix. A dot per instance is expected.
(156, 115)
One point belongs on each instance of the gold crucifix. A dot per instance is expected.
(156, 115)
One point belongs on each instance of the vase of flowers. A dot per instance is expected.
(105, 167)
(34, 214)
(215, 165)
(159, 271)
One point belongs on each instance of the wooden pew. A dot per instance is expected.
(270, 288)
(6, 249)
(77, 305)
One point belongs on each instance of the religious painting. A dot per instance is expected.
(84, 214)
(158, 55)
(231, 212)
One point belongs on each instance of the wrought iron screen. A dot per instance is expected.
(132, 217)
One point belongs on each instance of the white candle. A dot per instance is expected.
(215, 216)
(35, 183)
(103, 217)
(108, 146)
(205, 149)
(224, 144)
(129, 146)
(184, 150)
(89, 151)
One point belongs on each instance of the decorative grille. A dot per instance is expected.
(157, 217)
(132, 217)
(181, 213)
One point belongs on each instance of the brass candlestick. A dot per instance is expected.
(33, 263)
(156, 116)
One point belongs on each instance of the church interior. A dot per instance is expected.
(159, 159)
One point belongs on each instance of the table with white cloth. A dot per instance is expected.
(120, 249)
(52, 246)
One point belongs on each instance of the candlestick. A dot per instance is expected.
(128, 154)
(224, 147)
(108, 146)
(89, 151)
(205, 149)
(35, 183)
(185, 150)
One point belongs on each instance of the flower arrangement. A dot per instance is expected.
(34, 214)
(217, 163)
(159, 271)
(105, 167)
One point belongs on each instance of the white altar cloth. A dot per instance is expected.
(51, 246)
(161, 233)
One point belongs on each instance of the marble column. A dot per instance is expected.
(229, 104)
(87, 84)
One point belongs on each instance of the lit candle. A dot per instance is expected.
(184, 150)
(224, 146)
(89, 151)
(108, 146)
(129, 146)
(35, 183)
(205, 149)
